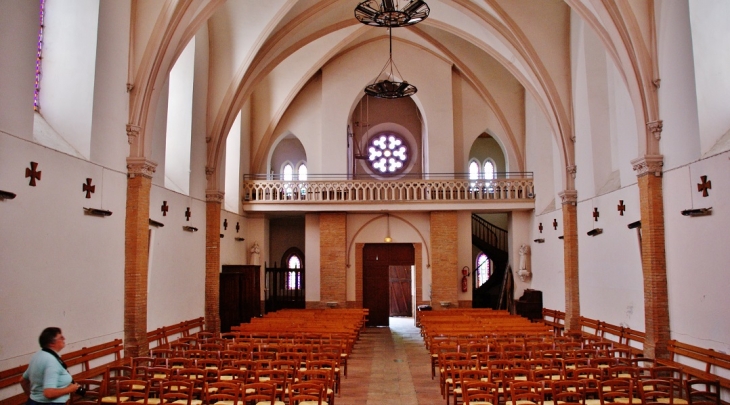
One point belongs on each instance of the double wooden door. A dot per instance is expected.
(240, 295)
(387, 281)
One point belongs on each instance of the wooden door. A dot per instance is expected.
(239, 295)
(377, 259)
(400, 291)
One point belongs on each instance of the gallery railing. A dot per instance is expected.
(452, 187)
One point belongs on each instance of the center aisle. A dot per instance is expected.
(390, 366)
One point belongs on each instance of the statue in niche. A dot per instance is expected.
(523, 271)
(255, 254)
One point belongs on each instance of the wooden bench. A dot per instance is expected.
(683, 355)
(554, 319)
(81, 364)
(160, 338)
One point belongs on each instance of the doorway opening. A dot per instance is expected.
(387, 281)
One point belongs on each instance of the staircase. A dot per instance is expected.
(492, 240)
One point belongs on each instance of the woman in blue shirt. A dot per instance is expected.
(46, 380)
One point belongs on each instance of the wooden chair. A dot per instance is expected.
(222, 393)
(92, 396)
(480, 393)
(323, 377)
(260, 393)
(132, 392)
(566, 391)
(617, 390)
(307, 393)
(112, 375)
(703, 392)
(176, 392)
(655, 392)
(526, 393)
(675, 376)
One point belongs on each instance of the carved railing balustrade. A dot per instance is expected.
(323, 189)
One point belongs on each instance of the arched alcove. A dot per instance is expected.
(373, 117)
(486, 148)
(288, 149)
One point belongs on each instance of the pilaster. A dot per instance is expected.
(136, 255)
(653, 256)
(333, 251)
(444, 260)
(570, 253)
(213, 201)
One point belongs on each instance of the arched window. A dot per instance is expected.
(302, 172)
(473, 170)
(287, 171)
(293, 278)
(489, 169)
(483, 269)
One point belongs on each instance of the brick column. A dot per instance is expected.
(213, 200)
(136, 255)
(653, 257)
(333, 251)
(570, 255)
(444, 260)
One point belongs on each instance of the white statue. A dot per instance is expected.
(523, 272)
(255, 254)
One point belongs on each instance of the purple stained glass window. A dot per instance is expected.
(39, 57)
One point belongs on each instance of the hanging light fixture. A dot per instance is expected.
(386, 13)
(385, 84)
(388, 239)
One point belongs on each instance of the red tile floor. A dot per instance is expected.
(390, 366)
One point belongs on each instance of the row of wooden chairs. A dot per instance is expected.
(180, 392)
(614, 391)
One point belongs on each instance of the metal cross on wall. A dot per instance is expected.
(540, 227)
(237, 227)
(621, 207)
(188, 214)
(225, 224)
(33, 173)
(595, 214)
(164, 208)
(701, 187)
(555, 224)
(88, 188)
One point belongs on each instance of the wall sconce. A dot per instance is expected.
(223, 236)
(190, 228)
(595, 231)
(97, 212)
(6, 195)
(697, 212)
(240, 239)
(156, 224)
(634, 225)
(541, 240)
(561, 237)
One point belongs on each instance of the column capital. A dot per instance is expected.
(214, 196)
(648, 164)
(655, 127)
(139, 166)
(572, 170)
(569, 197)
(133, 132)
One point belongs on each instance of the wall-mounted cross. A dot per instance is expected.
(225, 224)
(164, 208)
(188, 214)
(702, 187)
(88, 188)
(540, 227)
(237, 227)
(596, 214)
(621, 207)
(33, 173)
(555, 224)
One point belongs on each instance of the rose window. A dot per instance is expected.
(387, 154)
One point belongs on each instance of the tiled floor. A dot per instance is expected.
(390, 366)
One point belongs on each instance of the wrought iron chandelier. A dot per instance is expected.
(385, 13)
(388, 87)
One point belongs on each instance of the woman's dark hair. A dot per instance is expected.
(48, 336)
